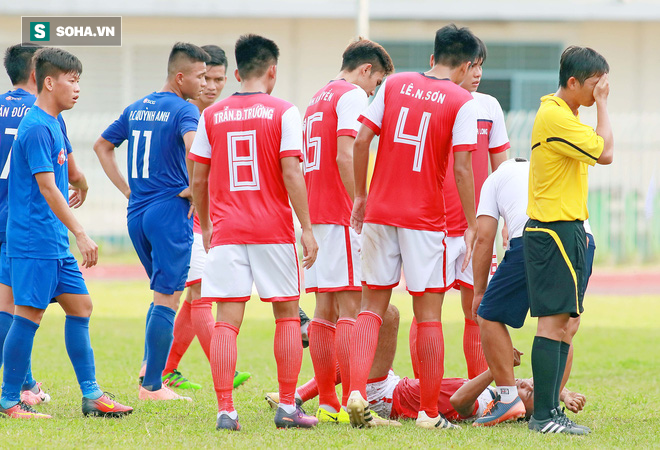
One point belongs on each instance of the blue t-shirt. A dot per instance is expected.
(154, 126)
(33, 230)
(14, 105)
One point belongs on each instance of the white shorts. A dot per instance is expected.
(456, 250)
(231, 269)
(197, 261)
(337, 266)
(422, 253)
(380, 392)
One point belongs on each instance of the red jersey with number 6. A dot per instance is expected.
(243, 138)
(332, 112)
(420, 119)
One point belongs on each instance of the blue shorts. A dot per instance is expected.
(506, 299)
(162, 236)
(37, 282)
(5, 276)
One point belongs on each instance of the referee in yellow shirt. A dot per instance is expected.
(554, 239)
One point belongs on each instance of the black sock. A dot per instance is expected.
(545, 366)
(563, 356)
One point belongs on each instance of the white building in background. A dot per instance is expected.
(524, 38)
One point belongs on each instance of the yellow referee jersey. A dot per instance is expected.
(562, 146)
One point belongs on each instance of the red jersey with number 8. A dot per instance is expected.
(332, 112)
(420, 120)
(243, 138)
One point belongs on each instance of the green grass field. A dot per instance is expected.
(616, 367)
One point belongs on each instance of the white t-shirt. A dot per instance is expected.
(504, 194)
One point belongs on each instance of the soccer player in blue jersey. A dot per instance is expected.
(14, 104)
(160, 128)
(42, 267)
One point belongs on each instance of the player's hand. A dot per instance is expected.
(505, 236)
(310, 248)
(574, 401)
(206, 239)
(88, 249)
(476, 301)
(470, 237)
(187, 193)
(602, 88)
(516, 357)
(77, 196)
(357, 215)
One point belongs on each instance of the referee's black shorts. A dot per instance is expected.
(555, 263)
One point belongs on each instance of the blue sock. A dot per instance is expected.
(151, 308)
(5, 323)
(29, 381)
(159, 340)
(18, 348)
(79, 348)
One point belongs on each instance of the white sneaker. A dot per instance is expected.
(438, 423)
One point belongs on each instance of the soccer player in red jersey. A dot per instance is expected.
(492, 143)
(247, 157)
(421, 118)
(329, 129)
(195, 317)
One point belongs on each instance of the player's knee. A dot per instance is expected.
(392, 316)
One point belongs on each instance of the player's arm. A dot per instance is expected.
(105, 151)
(60, 207)
(496, 159)
(465, 398)
(188, 139)
(295, 186)
(78, 182)
(361, 170)
(465, 186)
(482, 258)
(200, 194)
(345, 163)
(604, 127)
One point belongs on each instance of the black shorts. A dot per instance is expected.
(555, 263)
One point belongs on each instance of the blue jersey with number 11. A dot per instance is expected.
(154, 126)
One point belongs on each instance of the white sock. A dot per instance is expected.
(507, 393)
(328, 408)
(232, 415)
(298, 397)
(289, 409)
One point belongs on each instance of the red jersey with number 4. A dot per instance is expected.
(332, 112)
(492, 138)
(243, 138)
(419, 120)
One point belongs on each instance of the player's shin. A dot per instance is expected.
(223, 363)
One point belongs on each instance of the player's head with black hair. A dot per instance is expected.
(19, 62)
(455, 46)
(186, 68)
(183, 55)
(581, 63)
(51, 63)
(482, 53)
(363, 51)
(255, 55)
(216, 54)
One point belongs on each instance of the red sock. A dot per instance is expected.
(412, 342)
(184, 333)
(345, 327)
(203, 321)
(474, 354)
(288, 354)
(363, 349)
(223, 363)
(308, 390)
(431, 351)
(322, 351)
